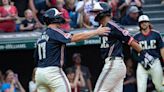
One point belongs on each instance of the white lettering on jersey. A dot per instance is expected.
(104, 43)
(42, 50)
(42, 46)
(45, 36)
(145, 45)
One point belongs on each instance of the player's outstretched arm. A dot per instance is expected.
(86, 35)
(135, 46)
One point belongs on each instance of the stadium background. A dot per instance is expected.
(16, 52)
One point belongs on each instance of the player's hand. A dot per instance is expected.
(146, 60)
(103, 30)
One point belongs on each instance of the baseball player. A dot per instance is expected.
(114, 70)
(151, 42)
(50, 52)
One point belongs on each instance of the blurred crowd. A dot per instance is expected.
(9, 82)
(76, 13)
(78, 75)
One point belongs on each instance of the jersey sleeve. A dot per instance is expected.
(122, 34)
(160, 43)
(61, 36)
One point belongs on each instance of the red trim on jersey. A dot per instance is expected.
(122, 30)
(66, 35)
(147, 33)
(130, 40)
(115, 25)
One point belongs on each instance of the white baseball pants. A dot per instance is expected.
(51, 79)
(112, 76)
(156, 74)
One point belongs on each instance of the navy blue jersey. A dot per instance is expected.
(151, 43)
(51, 47)
(112, 45)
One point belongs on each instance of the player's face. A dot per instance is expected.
(104, 20)
(144, 25)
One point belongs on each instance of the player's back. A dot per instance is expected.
(112, 45)
(50, 48)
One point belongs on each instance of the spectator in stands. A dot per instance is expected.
(137, 3)
(162, 2)
(21, 6)
(85, 71)
(32, 84)
(132, 16)
(130, 80)
(83, 7)
(65, 14)
(70, 6)
(11, 83)
(96, 8)
(53, 3)
(29, 23)
(8, 15)
(76, 79)
(38, 7)
(119, 8)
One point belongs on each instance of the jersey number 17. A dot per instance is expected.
(42, 50)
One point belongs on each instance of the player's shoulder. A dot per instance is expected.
(114, 25)
(137, 34)
(155, 32)
(52, 31)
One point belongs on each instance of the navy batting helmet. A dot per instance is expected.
(105, 12)
(53, 16)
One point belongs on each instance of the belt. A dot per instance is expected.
(114, 58)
